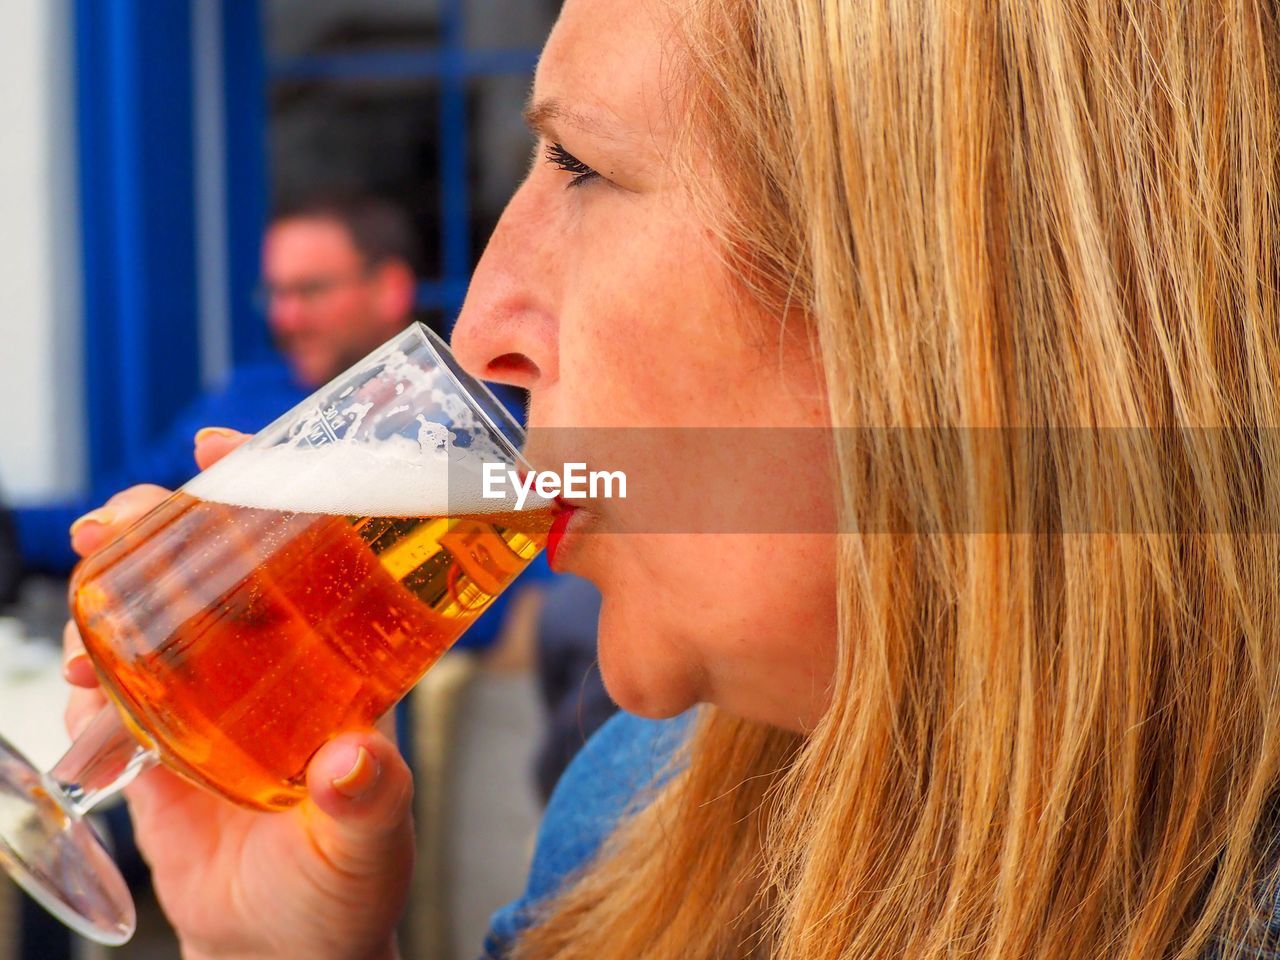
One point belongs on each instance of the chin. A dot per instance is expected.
(307, 369)
(652, 705)
(316, 376)
(644, 676)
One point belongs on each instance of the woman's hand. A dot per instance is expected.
(325, 879)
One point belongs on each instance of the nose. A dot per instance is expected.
(508, 329)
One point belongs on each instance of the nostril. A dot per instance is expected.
(512, 366)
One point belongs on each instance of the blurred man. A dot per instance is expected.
(338, 279)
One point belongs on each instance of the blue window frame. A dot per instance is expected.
(136, 183)
(451, 64)
(138, 187)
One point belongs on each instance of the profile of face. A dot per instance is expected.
(603, 294)
(326, 306)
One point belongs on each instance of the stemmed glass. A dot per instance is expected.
(296, 589)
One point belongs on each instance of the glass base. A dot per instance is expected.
(52, 852)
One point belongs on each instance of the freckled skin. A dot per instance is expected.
(608, 301)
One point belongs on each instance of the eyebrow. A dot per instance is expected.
(541, 117)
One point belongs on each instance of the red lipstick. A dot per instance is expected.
(556, 533)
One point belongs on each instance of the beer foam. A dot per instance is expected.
(393, 478)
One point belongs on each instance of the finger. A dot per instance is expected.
(133, 502)
(154, 794)
(214, 443)
(77, 668)
(98, 527)
(364, 793)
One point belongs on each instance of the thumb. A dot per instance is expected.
(363, 792)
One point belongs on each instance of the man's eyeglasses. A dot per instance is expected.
(308, 291)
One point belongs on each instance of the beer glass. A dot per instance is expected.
(297, 588)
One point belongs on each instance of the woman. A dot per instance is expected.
(1034, 715)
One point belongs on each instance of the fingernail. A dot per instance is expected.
(76, 663)
(103, 515)
(204, 433)
(360, 778)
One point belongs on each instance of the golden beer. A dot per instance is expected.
(239, 639)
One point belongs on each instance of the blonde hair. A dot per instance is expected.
(1039, 745)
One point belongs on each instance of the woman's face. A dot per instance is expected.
(603, 295)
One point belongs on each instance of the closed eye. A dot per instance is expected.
(562, 159)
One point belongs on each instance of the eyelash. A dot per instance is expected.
(566, 161)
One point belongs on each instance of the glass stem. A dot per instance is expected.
(102, 761)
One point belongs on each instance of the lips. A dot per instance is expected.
(556, 533)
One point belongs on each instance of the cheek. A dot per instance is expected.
(345, 314)
(765, 601)
(636, 317)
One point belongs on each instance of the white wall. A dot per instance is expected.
(41, 430)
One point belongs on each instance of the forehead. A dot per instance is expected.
(312, 236)
(604, 61)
